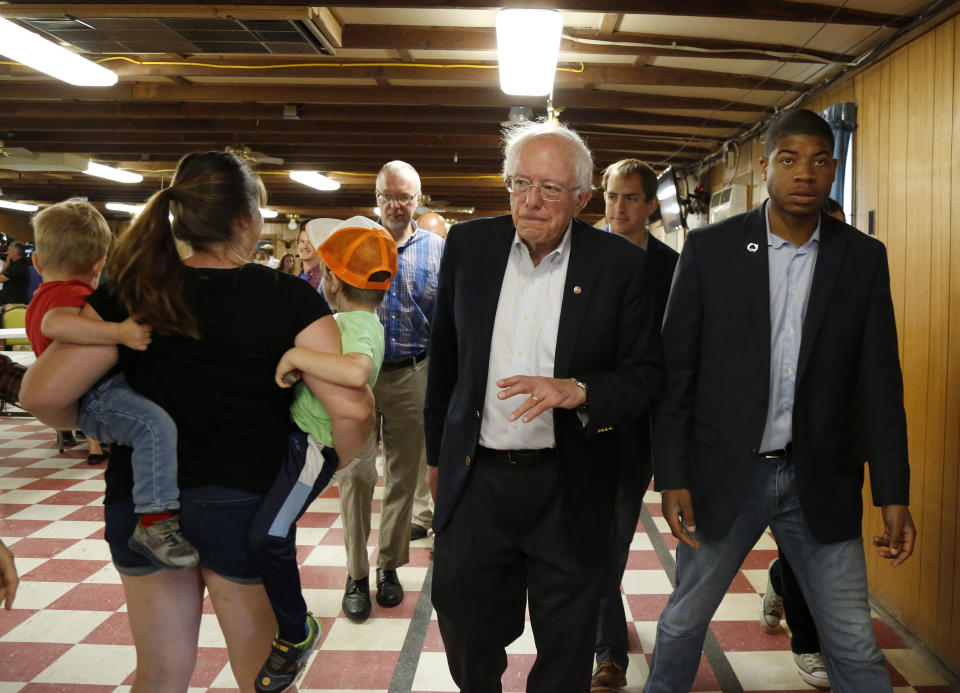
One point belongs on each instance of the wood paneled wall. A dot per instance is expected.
(907, 172)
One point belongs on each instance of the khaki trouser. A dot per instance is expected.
(399, 396)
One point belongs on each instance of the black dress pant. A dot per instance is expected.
(508, 542)
(612, 639)
(804, 638)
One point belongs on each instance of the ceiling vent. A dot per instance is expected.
(186, 35)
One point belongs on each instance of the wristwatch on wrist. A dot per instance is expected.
(582, 385)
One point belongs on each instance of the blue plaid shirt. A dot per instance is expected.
(408, 307)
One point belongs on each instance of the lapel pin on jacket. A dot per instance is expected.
(752, 247)
(577, 290)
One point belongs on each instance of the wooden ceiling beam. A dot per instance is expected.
(417, 148)
(343, 153)
(746, 9)
(373, 36)
(150, 100)
(240, 130)
(650, 75)
(578, 105)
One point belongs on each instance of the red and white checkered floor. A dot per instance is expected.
(68, 631)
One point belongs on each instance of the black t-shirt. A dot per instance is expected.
(231, 417)
(18, 279)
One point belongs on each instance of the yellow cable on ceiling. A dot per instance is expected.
(298, 65)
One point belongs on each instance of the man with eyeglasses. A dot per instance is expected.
(543, 355)
(406, 314)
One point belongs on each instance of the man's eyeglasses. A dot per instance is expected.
(402, 198)
(549, 192)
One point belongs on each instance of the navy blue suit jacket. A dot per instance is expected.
(606, 338)
(848, 404)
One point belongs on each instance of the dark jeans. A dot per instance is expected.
(306, 471)
(508, 542)
(804, 638)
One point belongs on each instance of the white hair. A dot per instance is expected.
(516, 136)
(398, 167)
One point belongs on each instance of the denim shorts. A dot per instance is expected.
(215, 519)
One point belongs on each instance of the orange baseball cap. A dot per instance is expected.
(354, 253)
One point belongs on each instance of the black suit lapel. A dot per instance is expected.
(756, 273)
(581, 275)
(833, 245)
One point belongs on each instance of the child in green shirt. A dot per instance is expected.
(359, 258)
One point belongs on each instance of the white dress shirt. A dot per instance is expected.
(524, 343)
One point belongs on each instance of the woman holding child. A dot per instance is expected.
(212, 370)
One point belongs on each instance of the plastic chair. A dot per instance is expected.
(15, 317)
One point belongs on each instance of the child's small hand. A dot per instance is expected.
(134, 335)
(287, 373)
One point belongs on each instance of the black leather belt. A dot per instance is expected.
(519, 458)
(404, 363)
(778, 454)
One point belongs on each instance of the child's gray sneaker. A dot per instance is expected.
(163, 544)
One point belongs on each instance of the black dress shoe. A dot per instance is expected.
(356, 599)
(389, 590)
(417, 532)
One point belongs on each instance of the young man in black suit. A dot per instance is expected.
(543, 354)
(630, 197)
(782, 378)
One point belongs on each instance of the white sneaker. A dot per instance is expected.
(772, 610)
(811, 668)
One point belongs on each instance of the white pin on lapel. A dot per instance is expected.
(752, 247)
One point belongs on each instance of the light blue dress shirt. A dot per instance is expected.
(791, 274)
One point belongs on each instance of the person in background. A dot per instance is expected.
(434, 223)
(232, 420)
(288, 264)
(543, 356)
(783, 378)
(15, 276)
(309, 261)
(630, 197)
(261, 257)
(783, 591)
(406, 314)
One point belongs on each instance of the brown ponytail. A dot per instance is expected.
(209, 193)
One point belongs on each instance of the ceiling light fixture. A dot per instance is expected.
(315, 180)
(268, 213)
(121, 207)
(18, 206)
(37, 52)
(528, 45)
(114, 174)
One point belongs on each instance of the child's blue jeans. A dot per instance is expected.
(111, 412)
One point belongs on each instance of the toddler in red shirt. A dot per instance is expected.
(72, 239)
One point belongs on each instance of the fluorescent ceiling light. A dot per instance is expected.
(37, 52)
(114, 174)
(268, 213)
(20, 207)
(315, 180)
(528, 44)
(120, 207)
